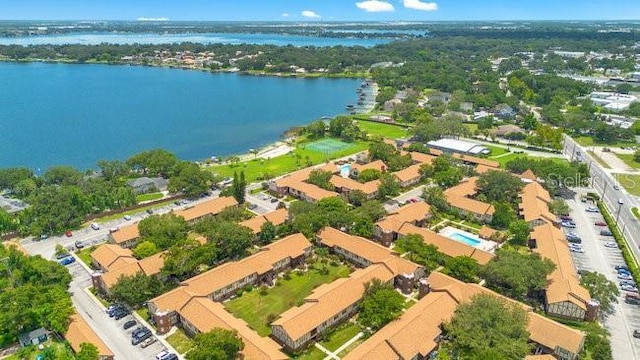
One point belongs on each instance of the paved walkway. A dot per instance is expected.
(334, 355)
(330, 355)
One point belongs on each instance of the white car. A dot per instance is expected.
(592, 209)
(611, 244)
(629, 288)
(576, 249)
(127, 217)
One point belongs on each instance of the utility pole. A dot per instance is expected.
(620, 203)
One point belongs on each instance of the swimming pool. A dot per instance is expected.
(345, 170)
(464, 239)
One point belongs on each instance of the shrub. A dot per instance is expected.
(626, 254)
(239, 293)
(248, 288)
(287, 275)
(263, 290)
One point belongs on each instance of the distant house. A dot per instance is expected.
(34, 337)
(466, 106)
(504, 130)
(390, 104)
(144, 184)
(439, 96)
(504, 111)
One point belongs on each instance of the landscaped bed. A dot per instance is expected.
(259, 310)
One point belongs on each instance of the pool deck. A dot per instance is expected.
(485, 245)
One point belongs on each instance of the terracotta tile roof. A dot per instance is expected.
(486, 232)
(126, 233)
(107, 255)
(435, 152)
(466, 187)
(399, 339)
(541, 329)
(529, 175)
(152, 264)
(376, 165)
(277, 217)
(470, 205)
(408, 174)
(368, 188)
(477, 160)
(226, 274)
(447, 246)
(366, 249)
(80, 332)
(539, 357)
(534, 200)
(481, 169)
(111, 277)
(564, 283)
(421, 158)
(206, 315)
(408, 213)
(314, 192)
(329, 300)
(209, 207)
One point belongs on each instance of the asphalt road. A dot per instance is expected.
(605, 184)
(625, 318)
(393, 205)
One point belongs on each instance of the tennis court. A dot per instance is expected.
(328, 146)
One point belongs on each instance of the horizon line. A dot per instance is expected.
(336, 21)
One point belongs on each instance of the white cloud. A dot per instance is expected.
(420, 5)
(310, 14)
(285, 15)
(153, 19)
(374, 6)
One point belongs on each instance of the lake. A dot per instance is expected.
(212, 38)
(52, 114)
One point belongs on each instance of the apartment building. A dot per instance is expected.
(462, 198)
(126, 237)
(386, 230)
(194, 213)
(277, 217)
(79, 332)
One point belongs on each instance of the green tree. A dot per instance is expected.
(267, 233)
(488, 326)
(137, 289)
(449, 177)
(601, 289)
(503, 216)
(520, 232)
(188, 259)
(155, 162)
(339, 124)
(463, 268)
(419, 252)
(10, 177)
(191, 181)
(163, 230)
(499, 186)
(636, 156)
(230, 239)
(62, 175)
(113, 169)
(145, 249)
(380, 305)
(597, 344)
(238, 187)
(316, 129)
(517, 275)
(87, 351)
(367, 175)
(559, 207)
(356, 197)
(7, 222)
(321, 179)
(217, 344)
(388, 186)
(434, 196)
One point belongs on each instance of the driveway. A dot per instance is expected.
(393, 205)
(625, 317)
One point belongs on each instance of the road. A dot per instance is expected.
(605, 185)
(625, 318)
(393, 205)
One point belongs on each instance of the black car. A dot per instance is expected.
(606, 233)
(636, 334)
(149, 211)
(574, 240)
(139, 330)
(120, 313)
(140, 338)
(115, 308)
(129, 324)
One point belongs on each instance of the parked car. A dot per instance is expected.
(68, 260)
(636, 334)
(611, 244)
(139, 330)
(632, 298)
(568, 224)
(115, 309)
(113, 229)
(623, 276)
(129, 324)
(127, 217)
(62, 255)
(627, 282)
(606, 233)
(600, 223)
(621, 267)
(44, 237)
(95, 226)
(140, 338)
(148, 342)
(68, 233)
(592, 209)
(566, 218)
(629, 288)
(120, 313)
(274, 200)
(149, 211)
(252, 206)
(112, 307)
(576, 249)
(79, 245)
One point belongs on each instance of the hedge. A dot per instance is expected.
(622, 244)
(635, 212)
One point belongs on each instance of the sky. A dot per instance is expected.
(320, 10)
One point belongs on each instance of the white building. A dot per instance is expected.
(612, 101)
(458, 146)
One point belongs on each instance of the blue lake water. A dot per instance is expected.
(212, 38)
(52, 114)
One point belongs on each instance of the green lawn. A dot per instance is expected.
(589, 141)
(256, 309)
(584, 140)
(31, 352)
(257, 169)
(144, 313)
(85, 255)
(131, 212)
(503, 160)
(149, 197)
(340, 336)
(599, 160)
(312, 353)
(381, 129)
(496, 150)
(629, 160)
(631, 183)
(180, 341)
(472, 127)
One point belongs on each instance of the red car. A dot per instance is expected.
(600, 223)
(68, 233)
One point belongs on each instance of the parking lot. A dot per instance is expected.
(600, 258)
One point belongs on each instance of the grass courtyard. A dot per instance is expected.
(259, 310)
(149, 197)
(631, 183)
(299, 158)
(629, 160)
(381, 129)
(180, 341)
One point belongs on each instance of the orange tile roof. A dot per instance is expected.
(541, 329)
(209, 207)
(329, 300)
(486, 232)
(534, 200)
(366, 249)
(314, 192)
(466, 187)
(415, 332)
(152, 264)
(408, 213)
(408, 174)
(375, 165)
(126, 233)
(108, 254)
(206, 315)
(529, 175)
(564, 283)
(481, 169)
(277, 217)
(477, 160)
(540, 357)
(470, 205)
(219, 277)
(80, 332)
(447, 246)
(149, 266)
(421, 158)
(368, 188)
